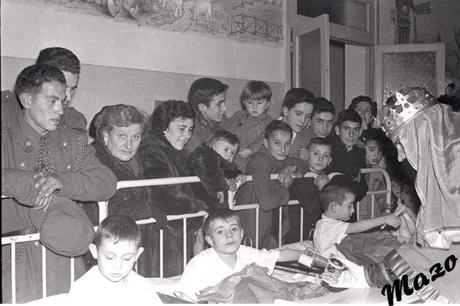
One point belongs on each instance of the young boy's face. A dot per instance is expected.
(322, 123)
(215, 111)
(116, 260)
(348, 132)
(225, 149)
(345, 210)
(299, 116)
(373, 153)
(256, 107)
(279, 144)
(320, 157)
(364, 109)
(225, 235)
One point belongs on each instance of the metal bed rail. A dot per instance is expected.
(103, 208)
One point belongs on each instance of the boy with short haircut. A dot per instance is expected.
(269, 194)
(213, 163)
(298, 105)
(337, 202)
(116, 246)
(207, 97)
(306, 190)
(347, 157)
(226, 256)
(250, 122)
(322, 118)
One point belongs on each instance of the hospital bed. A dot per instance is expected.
(162, 284)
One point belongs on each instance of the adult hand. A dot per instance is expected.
(47, 185)
(360, 143)
(44, 203)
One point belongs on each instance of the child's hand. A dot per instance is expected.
(304, 154)
(392, 220)
(243, 153)
(231, 184)
(321, 180)
(221, 197)
(311, 250)
(360, 144)
(287, 175)
(240, 179)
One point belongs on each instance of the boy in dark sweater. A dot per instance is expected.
(306, 190)
(270, 194)
(347, 157)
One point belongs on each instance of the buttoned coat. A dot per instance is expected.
(83, 178)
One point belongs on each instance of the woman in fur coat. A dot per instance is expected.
(161, 156)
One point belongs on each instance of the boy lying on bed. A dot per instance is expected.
(226, 256)
(116, 246)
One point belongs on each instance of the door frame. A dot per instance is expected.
(328, 31)
(379, 50)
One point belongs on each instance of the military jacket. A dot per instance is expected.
(82, 175)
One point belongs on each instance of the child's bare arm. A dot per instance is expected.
(289, 255)
(364, 225)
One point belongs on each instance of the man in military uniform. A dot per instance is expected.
(69, 64)
(45, 169)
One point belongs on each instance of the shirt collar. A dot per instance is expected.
(206, 123)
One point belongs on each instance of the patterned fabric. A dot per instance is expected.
(83, 178)
(431, 142)
(250, 132)
(46, 163)
(202, 132)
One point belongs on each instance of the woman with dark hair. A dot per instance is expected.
(118, 130)
(161, 154)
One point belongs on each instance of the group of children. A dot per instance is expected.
(252, 143)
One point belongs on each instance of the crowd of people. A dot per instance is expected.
(53, 178)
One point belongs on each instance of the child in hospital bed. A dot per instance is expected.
(226, 256)
(116, 246)
(337, 201)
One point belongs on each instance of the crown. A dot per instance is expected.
(402, 106)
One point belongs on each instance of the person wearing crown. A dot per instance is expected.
(427, 134)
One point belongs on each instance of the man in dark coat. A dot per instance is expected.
(45, 168)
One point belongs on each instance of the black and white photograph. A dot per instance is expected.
(230, 151)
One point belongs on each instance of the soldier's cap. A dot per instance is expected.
(64, 228)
